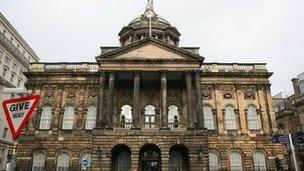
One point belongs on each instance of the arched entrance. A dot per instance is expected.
(150, 158)
(179, 158)
(121, 158)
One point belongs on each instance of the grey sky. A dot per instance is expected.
(270, 31)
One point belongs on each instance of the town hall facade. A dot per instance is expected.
(149, 105)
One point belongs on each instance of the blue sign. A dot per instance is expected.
(280, 138)
(297, 137)
(85, 162)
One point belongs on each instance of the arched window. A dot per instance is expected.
(259, 161)
(236, 163)
(176, 161)
(230, 118)
(173, 116)
(214, 164)
(63, 161)
(124, 161)
(150, 116)
(91, 118)
(68, 118)
(126, 115)
(208, 118)
(253, 118)
(38, 161)
(85, 158)
(46, 118)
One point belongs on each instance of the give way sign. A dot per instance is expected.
(18, 111)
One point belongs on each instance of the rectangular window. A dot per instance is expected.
(1, 54)
(302, 87)
(7, 60)
(4, 132)
(15, 66)
(4, 72)
(19, 82)
(12, 77)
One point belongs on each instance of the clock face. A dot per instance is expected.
(150, 14)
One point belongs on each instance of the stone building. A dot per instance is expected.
(290, 116)
(15, 58)
(150, 105)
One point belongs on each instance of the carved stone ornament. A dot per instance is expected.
(49, 94)
(228, 96)
(227, 87)
(249, 95)
(93, 95)
(207, 96)
(71, 95)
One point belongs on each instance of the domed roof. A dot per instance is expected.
(149, 24)
(155, 20)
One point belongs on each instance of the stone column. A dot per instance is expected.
(136, 98)
(100, 115)
(164, 117)
(218, 106)
(200, 114)
(110, 99)
(241, 106)
(265, 125)
(189, 99)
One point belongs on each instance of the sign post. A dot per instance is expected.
(17, 112)
(294, 157)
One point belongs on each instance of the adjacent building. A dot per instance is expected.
(290, 116)
(150, 105)
(15, 58)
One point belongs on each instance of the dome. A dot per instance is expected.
(139, 28)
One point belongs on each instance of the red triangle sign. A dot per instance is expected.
(18, 111)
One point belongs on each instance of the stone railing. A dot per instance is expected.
(64, 66)
(234, 67)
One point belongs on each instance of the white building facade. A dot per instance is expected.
(15, 58)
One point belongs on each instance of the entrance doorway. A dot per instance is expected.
(150, 159)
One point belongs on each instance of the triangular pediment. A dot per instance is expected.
(149, 49)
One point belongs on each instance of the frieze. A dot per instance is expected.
(208, 87)
(227, 87)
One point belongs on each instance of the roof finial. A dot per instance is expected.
(149, 5)
(150, 14)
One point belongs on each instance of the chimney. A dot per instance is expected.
(296, 87)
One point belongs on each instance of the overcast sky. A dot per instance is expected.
(267, 31)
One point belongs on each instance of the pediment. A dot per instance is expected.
(149, 49)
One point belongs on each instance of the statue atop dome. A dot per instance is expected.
(149, 24)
